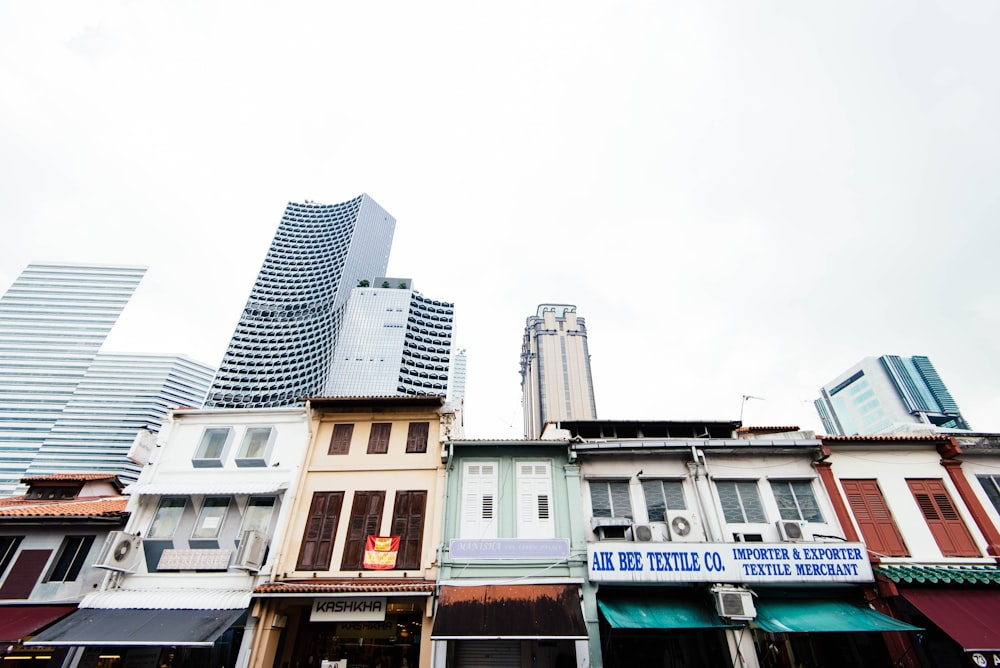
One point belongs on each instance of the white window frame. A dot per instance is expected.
(245, 459)
(535, 518)
(244, 527)
(479, 499)
(799, 514)
(644, 482)
(211, 523)
(201, 458)
(605, 483)
(742, 503)
(160, 506)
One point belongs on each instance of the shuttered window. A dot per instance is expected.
(408, 524)
(340, 442)
(321, 531)
(534, 500)
(416, 437)
(873, 517)
(479, 494)
(946, 525)
(378, 441)
(24, 573)
(366, 518)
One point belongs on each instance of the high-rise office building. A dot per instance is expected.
(885, 394)
(64, 405)
(556, 383)
(119, 395)
(392, 341)
(282, 349)
(53, 320)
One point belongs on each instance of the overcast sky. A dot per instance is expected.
(741, 198)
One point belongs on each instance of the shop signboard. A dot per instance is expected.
(509, 548)
(367, 609)
(630, 562)
(984, 658)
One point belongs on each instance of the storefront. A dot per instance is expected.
(306, 626)
(540, 626)
(148, 638)
(18, 623)
(762, 604)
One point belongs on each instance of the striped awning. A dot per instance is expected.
(168, 599)
(209, 486)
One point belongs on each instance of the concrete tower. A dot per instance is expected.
(556, 383)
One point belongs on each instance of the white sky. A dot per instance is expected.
(740, 197)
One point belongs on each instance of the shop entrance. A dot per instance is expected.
(391, 643)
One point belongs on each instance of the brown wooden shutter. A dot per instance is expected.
(366, 518)
(408, 524)
(873, 518)
(340, 443)
(378, 442)
(24, 573)
(321, 531)
(416, 437)
(946, 525)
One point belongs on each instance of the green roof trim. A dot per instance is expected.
(945, 575)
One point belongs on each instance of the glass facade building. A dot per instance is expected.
(65, 406)
(282, 349)
(393, 341)
(885, 394)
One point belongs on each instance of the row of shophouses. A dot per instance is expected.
(358, 532)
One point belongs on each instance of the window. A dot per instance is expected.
(795, 500)
(610, 498)
(213, 513)
(661, 496)
(321, 530)
(946, 525)
(258, 514)
(8, 548)
(873, 517)
(991, 483)
(167, 517)
(366, 518)
(408, 524)
(416, 437)
(534, 500)
(479, 493)
(340, 442)
(212, 447)
(378, 441)
(256, 446)
(741, 501)
(72, 554)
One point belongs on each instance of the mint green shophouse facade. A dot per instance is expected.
(512, 561)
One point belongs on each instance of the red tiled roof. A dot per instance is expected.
(68, 477)
(345, 586)
(898, 438)
(101, 507)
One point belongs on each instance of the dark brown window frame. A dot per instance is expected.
(340, 440)
(417, 436)
(378, 440)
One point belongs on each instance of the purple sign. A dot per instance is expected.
(510, 548)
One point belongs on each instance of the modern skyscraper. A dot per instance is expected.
(53, 320)
(556, 383)
(283, 345)
(392, 341)
(120, 394)
(887, 393)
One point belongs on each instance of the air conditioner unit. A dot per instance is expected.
(647, 533)
(733, 602)
(683, 526)
(253, 546)
(121, 552)
(612, 528)
(791, 531)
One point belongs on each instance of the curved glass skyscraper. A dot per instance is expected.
(282, 349)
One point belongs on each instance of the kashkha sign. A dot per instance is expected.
(348, 610)
(728, 562)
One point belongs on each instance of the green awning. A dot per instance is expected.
(792, 615)
(658, 611)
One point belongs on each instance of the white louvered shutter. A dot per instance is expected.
(479, 496)
(534, 500)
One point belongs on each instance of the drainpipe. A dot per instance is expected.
(703, 495)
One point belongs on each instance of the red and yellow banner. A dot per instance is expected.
(380, 552)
